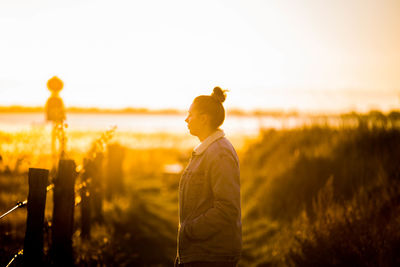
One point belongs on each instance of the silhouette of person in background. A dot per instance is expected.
(55, 110)
(55, 113)
(210, 229)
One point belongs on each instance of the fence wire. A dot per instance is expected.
(20, 253)
(22, 204)
(19, 205)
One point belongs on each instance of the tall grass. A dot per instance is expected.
(365, 231)
(285, 177)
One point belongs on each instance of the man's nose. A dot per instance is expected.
(187, 120)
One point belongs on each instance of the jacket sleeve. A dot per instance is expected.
(225, 184)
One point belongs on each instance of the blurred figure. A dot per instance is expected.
(210, 228)
(55, 113)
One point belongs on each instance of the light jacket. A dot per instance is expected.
(210, 227)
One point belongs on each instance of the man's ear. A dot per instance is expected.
(205, 118)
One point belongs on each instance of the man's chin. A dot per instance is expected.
(191, 132)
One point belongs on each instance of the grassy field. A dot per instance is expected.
(322, 197)
(315, 196)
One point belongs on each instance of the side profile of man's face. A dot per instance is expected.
(196, 121)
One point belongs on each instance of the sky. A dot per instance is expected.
(305, 55)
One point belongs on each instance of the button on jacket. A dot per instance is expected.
(210, 226)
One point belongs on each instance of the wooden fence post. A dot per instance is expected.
(85, 200)
(33, 244)
(63, 214)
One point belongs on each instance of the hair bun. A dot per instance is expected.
(219, 94)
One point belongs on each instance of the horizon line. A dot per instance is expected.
(171, 111)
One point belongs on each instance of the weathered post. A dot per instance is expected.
(33, 244)
(114, 175)
(85, 200)
(63, 214)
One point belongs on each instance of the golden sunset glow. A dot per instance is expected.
(240, 133)
(306, 55)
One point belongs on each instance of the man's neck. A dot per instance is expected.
(206, 134)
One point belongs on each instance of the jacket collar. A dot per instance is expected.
(200, 148)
